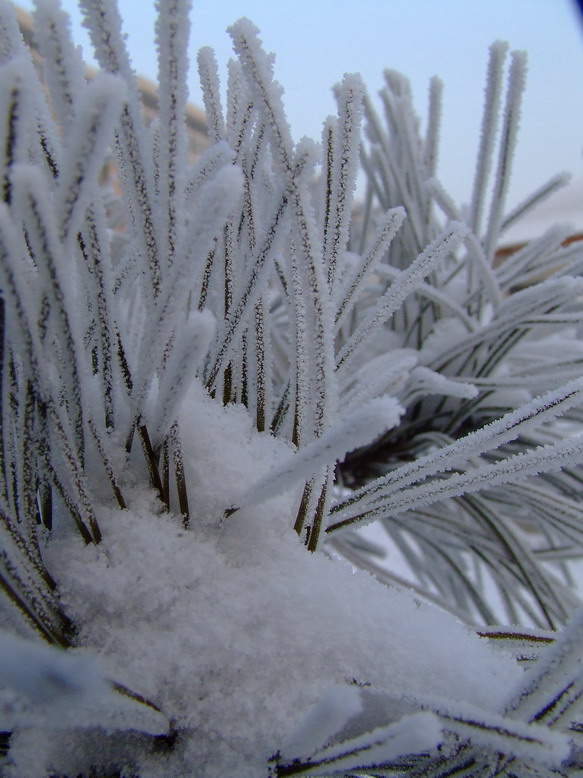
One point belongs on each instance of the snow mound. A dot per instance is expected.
(233, 629)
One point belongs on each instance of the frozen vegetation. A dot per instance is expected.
(215, 374)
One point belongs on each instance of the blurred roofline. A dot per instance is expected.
(195, 117)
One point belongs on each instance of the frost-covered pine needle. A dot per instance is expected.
(211, 367)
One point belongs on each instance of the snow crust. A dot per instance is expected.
(233, 629)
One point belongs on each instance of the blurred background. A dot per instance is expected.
(316, 41)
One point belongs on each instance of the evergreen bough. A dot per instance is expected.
(410, 377)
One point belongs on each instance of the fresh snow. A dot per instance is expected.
(236, 632)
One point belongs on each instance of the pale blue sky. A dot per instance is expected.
(316, 41)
